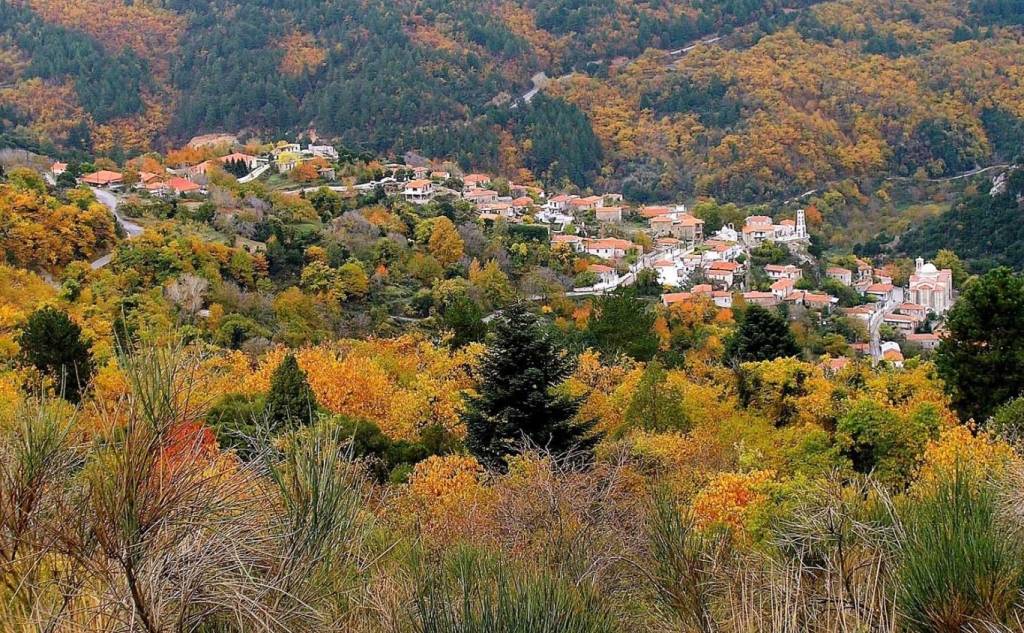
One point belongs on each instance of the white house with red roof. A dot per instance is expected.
(723, 272)
(605, 274)
(419, 191)
(783, 287)
(668, 272)
(610, 247)
(777, 271)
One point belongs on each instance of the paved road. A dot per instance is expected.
(540, 80)
(131, 229)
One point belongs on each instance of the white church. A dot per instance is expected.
(931, 287)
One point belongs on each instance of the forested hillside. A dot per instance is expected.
(984, 229)
(793, 95)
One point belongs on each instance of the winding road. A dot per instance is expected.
(131, 229)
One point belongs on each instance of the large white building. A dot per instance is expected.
(931, 287)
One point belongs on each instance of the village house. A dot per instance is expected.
(891, 353)
(610, 247)
(654, 211)
(104, 178)
(887, 294)
(146, 177)
(901, 322)
(419, 191)
(928, 341)
(723, 272)
(756, 229)
(605, 274)
(931, 287)
(809, 300)
(721, 298)
(673, 298)
(915, 310)
(782, 288)
(864, 270)
(590, 203)
(181, 186)
(789, 271)
(559, 203)
(58, 168)
(573, 243)
(842, 275)
(833, 366)
(760, 298)
(522, 204)
(500, 208)
(476, 181)
(668, 272)
(724, 249)
(481, 196)
(608, 214)
(322, 151)
(681, 226)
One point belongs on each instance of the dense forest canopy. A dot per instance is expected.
(791, 94)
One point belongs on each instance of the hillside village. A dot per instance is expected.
(763, 262)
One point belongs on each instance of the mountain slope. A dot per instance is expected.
(795, 94)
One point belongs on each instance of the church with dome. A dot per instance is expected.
(931, 287)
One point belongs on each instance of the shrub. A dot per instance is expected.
(474, 595)
(960, 565)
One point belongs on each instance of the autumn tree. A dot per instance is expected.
(52, 343)
(762, 335)
(655, 404)
(515, 404)
(291, 402)
(445, 243)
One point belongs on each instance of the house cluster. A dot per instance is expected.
(287, 156)
(427, 184)
(155, 184)
(673, 221)
(758, 229)
(929, 294)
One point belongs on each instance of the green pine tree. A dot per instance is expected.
(623, 325)
(763, 335)
(52, 343)
(291, 402)
(515, 405)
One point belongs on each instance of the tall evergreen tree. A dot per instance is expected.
(291, 402)
(763, 335)
(623, 325)
(515, 404)
(981, 359)
(52, 343)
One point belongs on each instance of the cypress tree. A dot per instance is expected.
(291, 402)
(515, 405)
